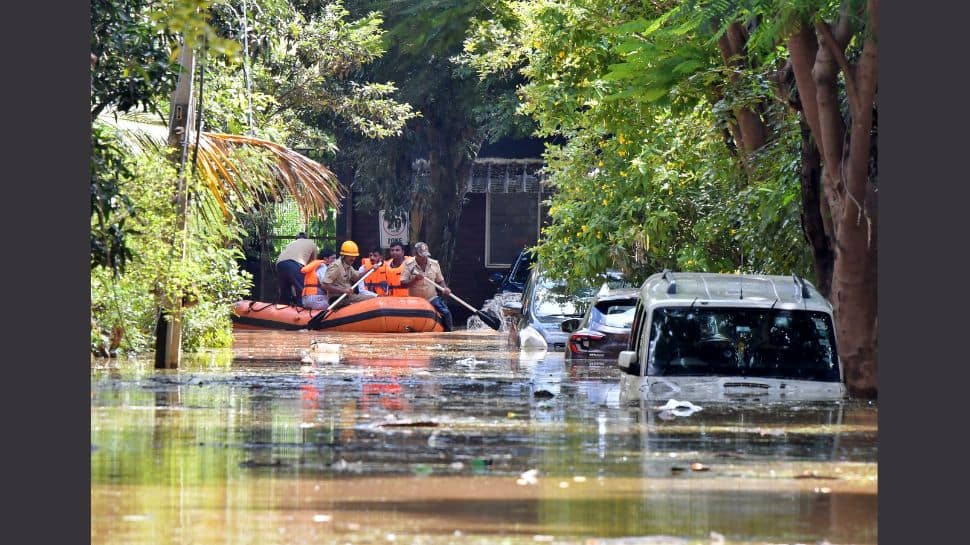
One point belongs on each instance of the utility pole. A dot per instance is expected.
(168, 330)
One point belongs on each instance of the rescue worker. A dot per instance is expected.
(341, 275)
(315, 297)
(376, 283)
(288, 265)
(414, 275)
(328, 256)
(394, 268)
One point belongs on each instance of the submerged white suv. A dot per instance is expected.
(727, 336)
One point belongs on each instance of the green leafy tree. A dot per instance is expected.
(631, 88)
(644, 179)
(227, 175)
(124, 307)
(302, 79)
(825, 57)
(458, 112)
(111, 209)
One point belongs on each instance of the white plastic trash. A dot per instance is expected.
(680, 408)
(530, 339)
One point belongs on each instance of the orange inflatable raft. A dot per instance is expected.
(377, 315)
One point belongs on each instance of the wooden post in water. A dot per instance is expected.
(168, 332)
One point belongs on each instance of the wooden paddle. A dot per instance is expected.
(490, 320)
(321, 316)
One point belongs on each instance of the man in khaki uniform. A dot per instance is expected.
(414, 274)
(341, 275)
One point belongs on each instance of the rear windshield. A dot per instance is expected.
(521, 268)
(616, 313)
(767, 343)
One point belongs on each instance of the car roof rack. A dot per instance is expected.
(800, 283)
(672, 284)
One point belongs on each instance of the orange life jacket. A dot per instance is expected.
(376, 282)
(310, 284)
(393, 276)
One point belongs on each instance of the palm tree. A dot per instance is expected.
(272, 173)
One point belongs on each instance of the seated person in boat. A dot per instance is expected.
(341, 276)
(393, 269)
(315, 297)
(416, 275)
(328, 256)
(376, 283)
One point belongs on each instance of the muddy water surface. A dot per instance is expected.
(452, 438)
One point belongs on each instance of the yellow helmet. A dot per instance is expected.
(349, 248)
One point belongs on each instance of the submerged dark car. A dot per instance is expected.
(604, 330)
(514, 281)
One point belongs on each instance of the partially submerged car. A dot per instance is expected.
(724, 336)
(518, 274)
(604, 331)
(546, 304)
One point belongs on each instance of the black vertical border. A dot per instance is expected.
(46, 219)
(923, 242)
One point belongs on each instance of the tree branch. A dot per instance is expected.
(836, 50)
(803, 47)
(872, 8)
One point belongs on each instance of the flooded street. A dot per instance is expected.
(453, 438)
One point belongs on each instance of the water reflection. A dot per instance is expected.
(428, 438)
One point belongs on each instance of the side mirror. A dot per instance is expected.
(512, 307)
(627, 362)
(570, 325)
(496, 279)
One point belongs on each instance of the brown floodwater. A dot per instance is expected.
(454, 438)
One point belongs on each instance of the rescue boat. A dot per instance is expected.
(377, 315)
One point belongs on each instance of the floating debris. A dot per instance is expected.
(643, 540)
(814, 475)
(470, 360)
(679, 408)
(254, 464)
(528, 478)
(409, 424)
(324, 348)
(543, 394)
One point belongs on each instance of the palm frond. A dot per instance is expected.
(277, 172)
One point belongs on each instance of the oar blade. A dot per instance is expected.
(317, 319)
(490, 319)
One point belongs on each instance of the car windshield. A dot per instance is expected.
(521, 269)
(766, 343)
(552, 301)
(615, 313)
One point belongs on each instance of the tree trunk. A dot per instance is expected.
(846, 152)
(751, 131)
(450, 168)
(813, 226)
